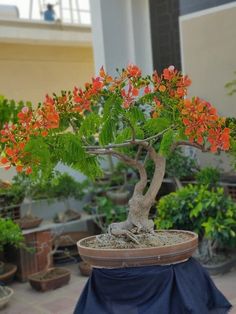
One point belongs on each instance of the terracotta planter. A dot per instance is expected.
(85, 269)
(8, 273)
(118, 258)
(58, 281)
(29, 223)
(221, 268)
(118, 197)
(1, 268)
(5, 299)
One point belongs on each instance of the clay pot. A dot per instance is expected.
(221, 268)
(119, 258)
(29, 223)
(8, 274)
(85, 269)
(118, 197)
(60, 279)
(8, 293)
(1, 268)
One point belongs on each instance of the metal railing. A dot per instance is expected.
(64, 11)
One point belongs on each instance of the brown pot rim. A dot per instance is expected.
(31, 277)
(9, 273)
(193, 234)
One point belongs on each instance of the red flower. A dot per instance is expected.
(133, 71)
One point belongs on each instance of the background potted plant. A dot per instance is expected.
(51, 277)
(211, 214)
(121, 117)
(11, 197)
(63, 186)
(10, 233)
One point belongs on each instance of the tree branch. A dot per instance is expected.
(186, 143)
(128, 142)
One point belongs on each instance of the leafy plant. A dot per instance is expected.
(10, 233)
(12, 194)
(208, 176)
(209, 213)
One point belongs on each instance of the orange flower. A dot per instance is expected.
(28, 170)
(155, 115)
(162, 88)
(19, 168)
(4, 160)
(133, 71)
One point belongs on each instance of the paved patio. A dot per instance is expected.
(63, 300)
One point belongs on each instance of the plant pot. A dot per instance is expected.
(1, 268)
(8, 273)
(118, 197)
(221, 268)
(29, 223)
(60, 278)
(6, 298)
(85, 268)
(119, 258)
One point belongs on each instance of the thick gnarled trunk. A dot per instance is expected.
(140, 203)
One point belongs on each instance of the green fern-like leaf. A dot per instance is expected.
(112, 111)
(154, 126)
(166, 143)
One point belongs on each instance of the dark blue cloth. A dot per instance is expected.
(182, 288)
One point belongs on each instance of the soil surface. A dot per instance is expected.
(145, 240)
(50, 274)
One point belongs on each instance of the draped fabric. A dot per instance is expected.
(182, 288)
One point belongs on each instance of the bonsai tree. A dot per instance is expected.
(122, 117)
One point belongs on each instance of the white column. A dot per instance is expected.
(121, 34)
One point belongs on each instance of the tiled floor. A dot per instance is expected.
(62, 301)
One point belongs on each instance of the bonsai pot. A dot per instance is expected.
(5, 296)
(118, 258)
(118, 197)
(9, 271)
(1, 267)
(49, 280)
(221, 268)
(28, 222)
(85, 268)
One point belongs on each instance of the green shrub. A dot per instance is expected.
(209, 213)
(10, 233)
(208, 176)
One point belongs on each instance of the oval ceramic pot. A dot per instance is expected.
(221, 268)
(1, 267)
(29, 223)
(118, 197)
(8, 273)
(119, 258)
(51, 283)
(85, 268)
(6, 298)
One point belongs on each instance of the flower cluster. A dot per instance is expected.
(163, 94)
(203, 124)
(30, 123)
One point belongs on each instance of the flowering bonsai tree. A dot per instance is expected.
(122, 117)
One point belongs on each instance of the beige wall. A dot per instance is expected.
(28, 72)
(208, 43)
